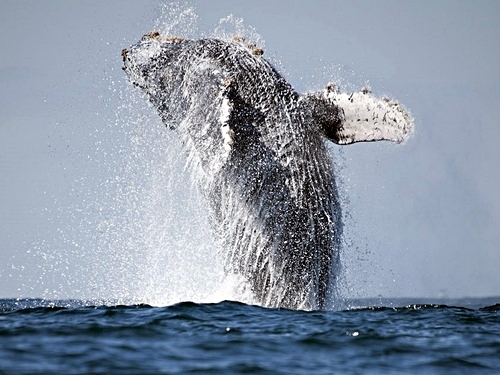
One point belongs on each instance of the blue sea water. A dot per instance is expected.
(367, 337)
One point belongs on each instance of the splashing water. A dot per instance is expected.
(145, 235)
(258, 157)
(142, 236)
(177, 19)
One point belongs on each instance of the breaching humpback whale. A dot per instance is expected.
(258, 151)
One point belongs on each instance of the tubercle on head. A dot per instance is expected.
(124, 54)
(174, 39)
(157, 36)
(256, 51)
(153, 35)
(239, 39)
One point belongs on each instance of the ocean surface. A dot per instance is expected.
(365, 337)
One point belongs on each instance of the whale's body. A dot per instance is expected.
(258, 151)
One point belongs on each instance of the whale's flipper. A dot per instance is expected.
(358, 117)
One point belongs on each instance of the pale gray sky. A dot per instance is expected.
(424, 216)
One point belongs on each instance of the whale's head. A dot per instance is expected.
(182, 77)
(152, 56)
(154, 64)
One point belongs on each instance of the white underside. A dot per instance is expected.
(367, 118)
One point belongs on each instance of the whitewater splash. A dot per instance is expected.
(256, 149)
(138, 231)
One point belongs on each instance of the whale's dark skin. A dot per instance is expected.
(258, 150)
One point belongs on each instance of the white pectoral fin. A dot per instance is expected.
(367, 118)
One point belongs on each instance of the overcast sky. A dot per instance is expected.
(423, 217)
